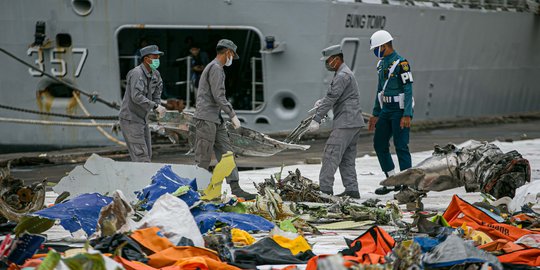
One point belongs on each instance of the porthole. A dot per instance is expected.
(82, 7)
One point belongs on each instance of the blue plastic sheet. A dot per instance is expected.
(426, 243)
(247, 222)
(166, 181)
(81, 212)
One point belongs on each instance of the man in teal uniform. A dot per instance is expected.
(393, 109)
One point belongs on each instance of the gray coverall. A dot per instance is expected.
(340, 149)
(211, 134)
(143, 93)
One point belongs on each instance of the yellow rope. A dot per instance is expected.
(100, 129)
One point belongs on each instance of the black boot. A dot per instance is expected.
(352, 194)
(239, 192)
(327, 192)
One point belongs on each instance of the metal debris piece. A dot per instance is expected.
(345, 225)
(479, 166)
(305, 199)
(16, 199)
(406, 257)
(115, 217)
(270, 206)
(173, 125)
(248, 142)
(299, 131)
(296, 188)
(104, 175)
(244, 141)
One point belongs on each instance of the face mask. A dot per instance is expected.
(329, 65)
(229, 61)
(154, 64)
(378, 52)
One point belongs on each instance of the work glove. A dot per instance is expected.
(313, 126)
(161, 111)
(317, 103)
(235, 122)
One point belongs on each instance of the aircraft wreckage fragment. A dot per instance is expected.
(244, 141)
(479, 166)
(299, 195)
(16, 199)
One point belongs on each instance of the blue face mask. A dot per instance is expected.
(378, 52)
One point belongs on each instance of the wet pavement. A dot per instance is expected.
(420, 141)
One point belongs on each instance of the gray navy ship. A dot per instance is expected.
(469, 59)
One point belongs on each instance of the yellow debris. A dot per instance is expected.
(223, 169)
(242, 237)
(297, 245)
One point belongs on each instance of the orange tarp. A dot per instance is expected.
(188, 258)
(151, 239)
(368, 248)
(460, 211)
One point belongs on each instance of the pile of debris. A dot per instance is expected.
(123, 215)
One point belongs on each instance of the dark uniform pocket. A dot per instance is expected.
(205, 130)
(139, 150)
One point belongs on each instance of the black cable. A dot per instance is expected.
(93, 97)
(111, 117)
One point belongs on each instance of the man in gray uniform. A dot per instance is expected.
(143, 94)
(340, 150)
(211, 134)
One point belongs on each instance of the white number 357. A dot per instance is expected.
(56, 58)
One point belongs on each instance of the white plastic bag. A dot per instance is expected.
(173, 217)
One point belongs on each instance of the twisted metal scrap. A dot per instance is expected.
(480, 167)
(16, 199)
(307, 198)
(296, 188)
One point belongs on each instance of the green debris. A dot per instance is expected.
(288, 226)
(34, 225)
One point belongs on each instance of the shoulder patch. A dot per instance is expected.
(405, 66)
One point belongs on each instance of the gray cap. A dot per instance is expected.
(332, 50)
(150, 49)
(230, 45)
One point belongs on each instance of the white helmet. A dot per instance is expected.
(379, 38)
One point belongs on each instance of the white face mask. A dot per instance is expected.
(229, 61)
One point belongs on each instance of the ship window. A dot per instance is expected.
(63, 40)
(82, 7)
(262, 120)
(349, 46)
(244, 78)
(288, 103)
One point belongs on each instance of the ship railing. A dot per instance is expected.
(255, 84)
(187, 82)
(518, 5)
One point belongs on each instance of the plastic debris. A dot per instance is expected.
(166, 181)
(455, 251)
(173, 217)
(223, 169)
(81, 212)
(247, 222)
